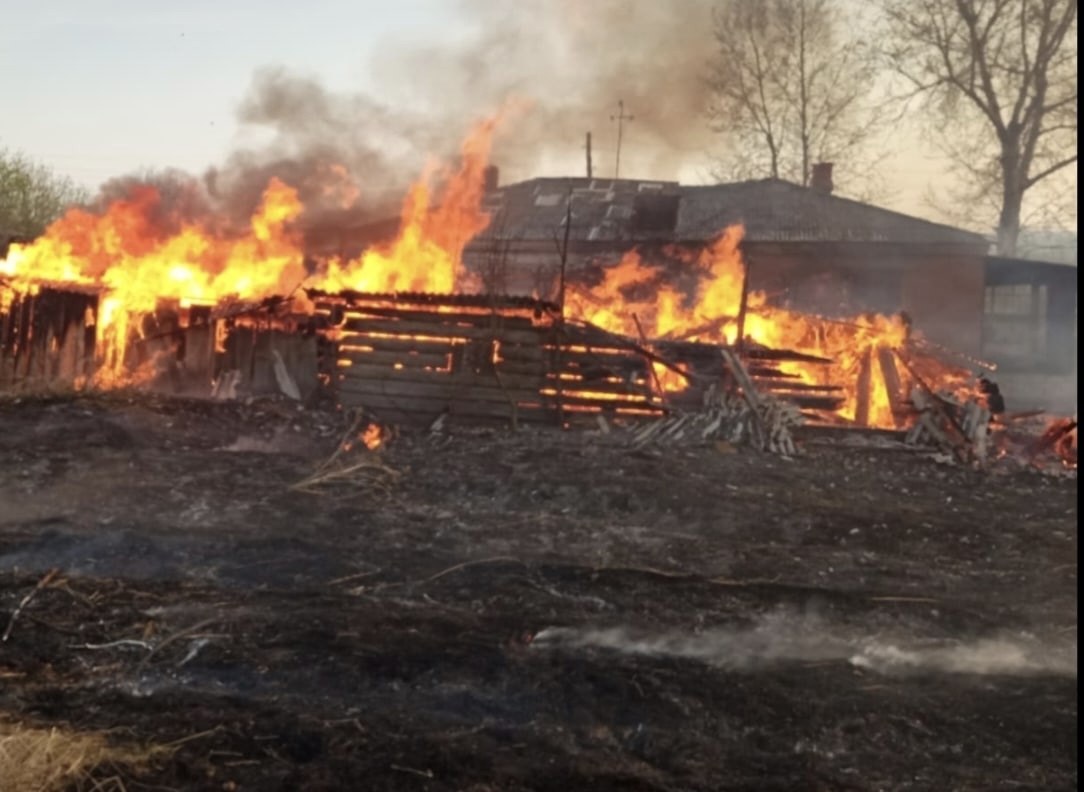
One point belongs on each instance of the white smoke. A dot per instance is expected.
(784, 637)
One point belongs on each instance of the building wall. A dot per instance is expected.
(1030, 333)
(831, 283)
(942, 292)
(944, 295)
(1031, 390)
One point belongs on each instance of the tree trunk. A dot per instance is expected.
(1013, 179)
(1008, 222)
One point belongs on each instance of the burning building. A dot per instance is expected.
(805, 250)
(647, 297)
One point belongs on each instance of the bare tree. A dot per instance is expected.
(493, 262)
(1000, 76)
(791, 87)
(32, 196)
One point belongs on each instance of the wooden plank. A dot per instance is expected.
(535, 377)
(890, 372)
(407, 358)
(488, 319)
(435, 329)
(447, 395)
(781, 355)
(71, 354)
(528, 353)
(448, 391)
(199, 353)
(603, 357)
(539, 367)
(438, 393)
(424, 411)
(574, 398)
(764, 372)
(457, 379)
(779, 388)
(398, 344)
(807, 402)
(620, 387)
(862, 388)
(741, 375)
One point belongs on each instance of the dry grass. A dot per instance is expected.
(36, 759)
(352, 468)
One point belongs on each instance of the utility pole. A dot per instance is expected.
(620, 118)
(588, 147)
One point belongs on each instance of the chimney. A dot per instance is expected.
(491, 178)
(821, 178)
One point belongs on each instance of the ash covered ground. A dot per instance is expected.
(538, 610)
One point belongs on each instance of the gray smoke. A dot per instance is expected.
(574, 60)
(341, 152)
(787, 637)
(567, 61)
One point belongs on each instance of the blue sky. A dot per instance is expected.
(99, 88)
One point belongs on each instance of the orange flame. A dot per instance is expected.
(372, 437)
(637, 299)
(137, 265)
(427, 254)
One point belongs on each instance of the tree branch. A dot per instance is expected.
(1057, 166)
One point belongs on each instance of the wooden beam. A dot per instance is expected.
(862, 388)
(893, 385)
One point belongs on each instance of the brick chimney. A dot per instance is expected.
(491, 178)
(821, 178)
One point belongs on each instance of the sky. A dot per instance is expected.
(128, 84)
(100, 88)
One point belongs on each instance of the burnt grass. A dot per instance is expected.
(532, 610)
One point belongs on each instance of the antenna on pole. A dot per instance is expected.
(620, 118)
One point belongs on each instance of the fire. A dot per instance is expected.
(1061, 437)
(427, 254)
(137, 265)
(372, 437)
(637, 299)
(700, 295)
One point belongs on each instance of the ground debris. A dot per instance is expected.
(355, 465)
(726, 620)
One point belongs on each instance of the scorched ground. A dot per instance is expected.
(533, 610)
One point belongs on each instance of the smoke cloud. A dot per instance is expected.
(786, 637)
(574, 60)
(352, 156)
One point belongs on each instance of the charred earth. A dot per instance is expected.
(537, 610)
